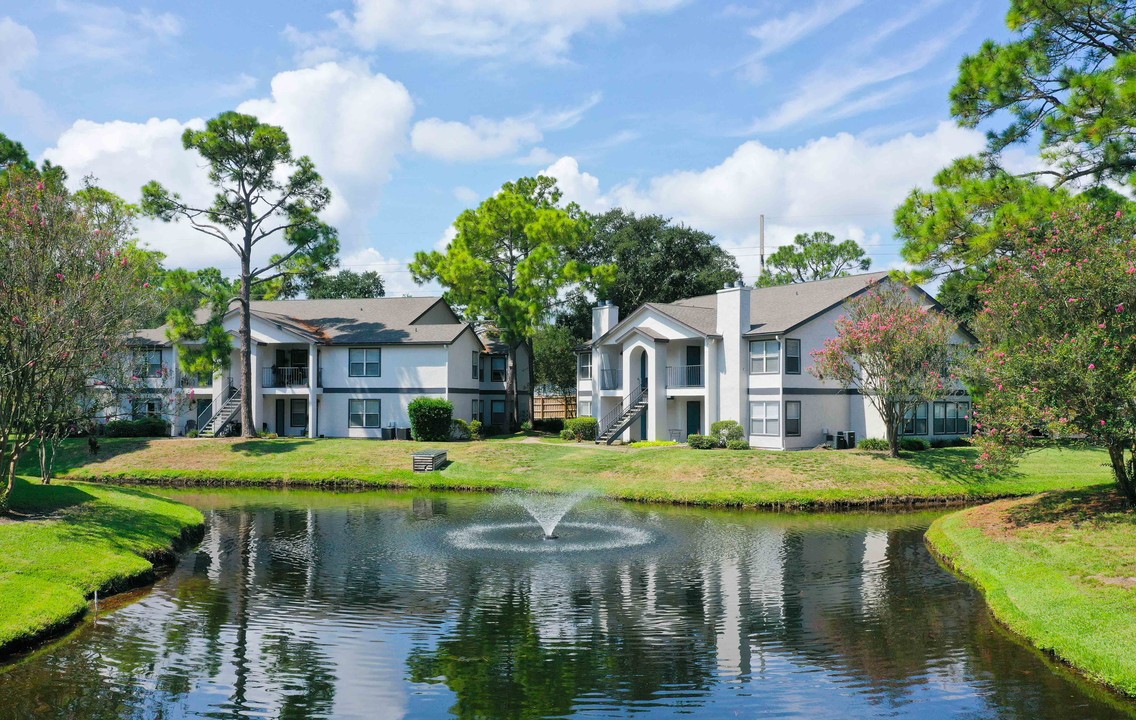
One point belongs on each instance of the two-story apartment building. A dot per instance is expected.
(669, 370)
(333, 368)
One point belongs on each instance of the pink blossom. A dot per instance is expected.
(1092, 366)
(1102, 423)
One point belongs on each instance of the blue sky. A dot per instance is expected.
(820, 114)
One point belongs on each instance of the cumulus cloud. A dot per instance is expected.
(397, 280)
(19, 51)
(353, 123)
(540, 30)
(842, 183)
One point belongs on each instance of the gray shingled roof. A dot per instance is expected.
(772, 310)
(347, 322)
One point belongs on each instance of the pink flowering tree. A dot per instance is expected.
(893, 350)
(1058, 332)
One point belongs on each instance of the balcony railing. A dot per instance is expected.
(283, 377)
(611, 379)
(192, 380)
(685, 376)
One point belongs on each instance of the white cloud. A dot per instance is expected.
(483, 138)
(466, 195)
(351, 122)
(240, 85)
(779, 33)
(537, 156)
(397, 280)
(843, 184)
(540, 30)
(111, 34)
(19, 50)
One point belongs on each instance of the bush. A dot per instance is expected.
(567, 434)
(583, 428)
(430, 419)
(725, 431)
(475, 430)
(142, 427)
(264, 435)
(652, 443)
(191, 433)
(549, 425)
(701, 442)
(527, 426)
(873, 444)
(459, 429)
(914, 444)
(737, 444)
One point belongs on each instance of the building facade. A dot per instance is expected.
(669, 370)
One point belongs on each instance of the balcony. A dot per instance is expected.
(686, 376)
(285, 377)
(195, 380)
(611, 379)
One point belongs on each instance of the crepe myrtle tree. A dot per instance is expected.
(894, 350)
(1058, 341)
(264, 193)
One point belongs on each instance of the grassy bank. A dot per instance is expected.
(670, 474)
(1059, 570)
(68, 540)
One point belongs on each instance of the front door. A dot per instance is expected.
(281, 419)
(693, 417)
(643, 383)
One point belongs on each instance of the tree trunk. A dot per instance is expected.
(892, 430)
(1123, 470)
(511, 390)
(8, 468)
(532, 377)
(247, 429)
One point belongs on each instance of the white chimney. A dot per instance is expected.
(733, 309)
(605, 316)
(733, 322)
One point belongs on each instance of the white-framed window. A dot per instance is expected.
(915, 420)
(149, 362)
(476, 364)
(145, 407)
(364, 413)
(298, 415)
(497, 369)
(584, 365)
(365, 362)
(764, 357)
(792, 418)
(584, 408)
(952, 418)
(764, 418)
(792, 356)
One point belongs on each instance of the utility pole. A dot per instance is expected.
(761, 245)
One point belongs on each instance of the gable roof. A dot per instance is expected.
(368, 321)
(773, 310)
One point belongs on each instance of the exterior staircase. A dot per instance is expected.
(620, 418)
(224, 417)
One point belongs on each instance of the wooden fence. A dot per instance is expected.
(546, 407)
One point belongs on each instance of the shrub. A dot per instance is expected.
(583, 428)
(652, 443)
(701, 442)
(459, 429)
(142, 427)
(725, 431)
(191, 433)
(475, 430)
(567, 434)
(430, 419)
(549, 425)
(738, 444)
(527, 426)
(914, 444)
(873, 444)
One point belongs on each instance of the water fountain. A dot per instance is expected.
(547, 510)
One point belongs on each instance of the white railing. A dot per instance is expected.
(285, 377)
(685, 376)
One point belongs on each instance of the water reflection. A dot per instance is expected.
(313, 606)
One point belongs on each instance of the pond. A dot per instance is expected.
(397, 605)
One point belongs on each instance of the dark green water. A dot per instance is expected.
(384, 605)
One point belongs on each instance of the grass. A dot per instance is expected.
(77, 538)
(1059, 569)
(751, 478)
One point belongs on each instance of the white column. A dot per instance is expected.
(313, 375)
(257, 398)
(657, 382)
(710, 406)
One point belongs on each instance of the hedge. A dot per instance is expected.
(431, 419)
(727, 431)
(583, 428)
(702, 442)
(142, 427)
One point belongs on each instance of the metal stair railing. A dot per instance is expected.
(224, 414)
(627, 404)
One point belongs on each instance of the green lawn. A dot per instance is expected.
(1060, 570)
(751, 478)
(77, 538)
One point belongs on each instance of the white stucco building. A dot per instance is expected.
(668, 370)
(336, 368)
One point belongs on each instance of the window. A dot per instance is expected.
(293, 358)
(584, 409)
(298, 417)
(915, 421)
(143, 407)
(764, 357)
(497, 413)
(475, 412)
(764, 418)
(792, 418)
(476, 364)
(584, 363)
(365, 362)
(792, 357)
(497, 368)
(952, 418)
(149, 362)
(364, 413)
